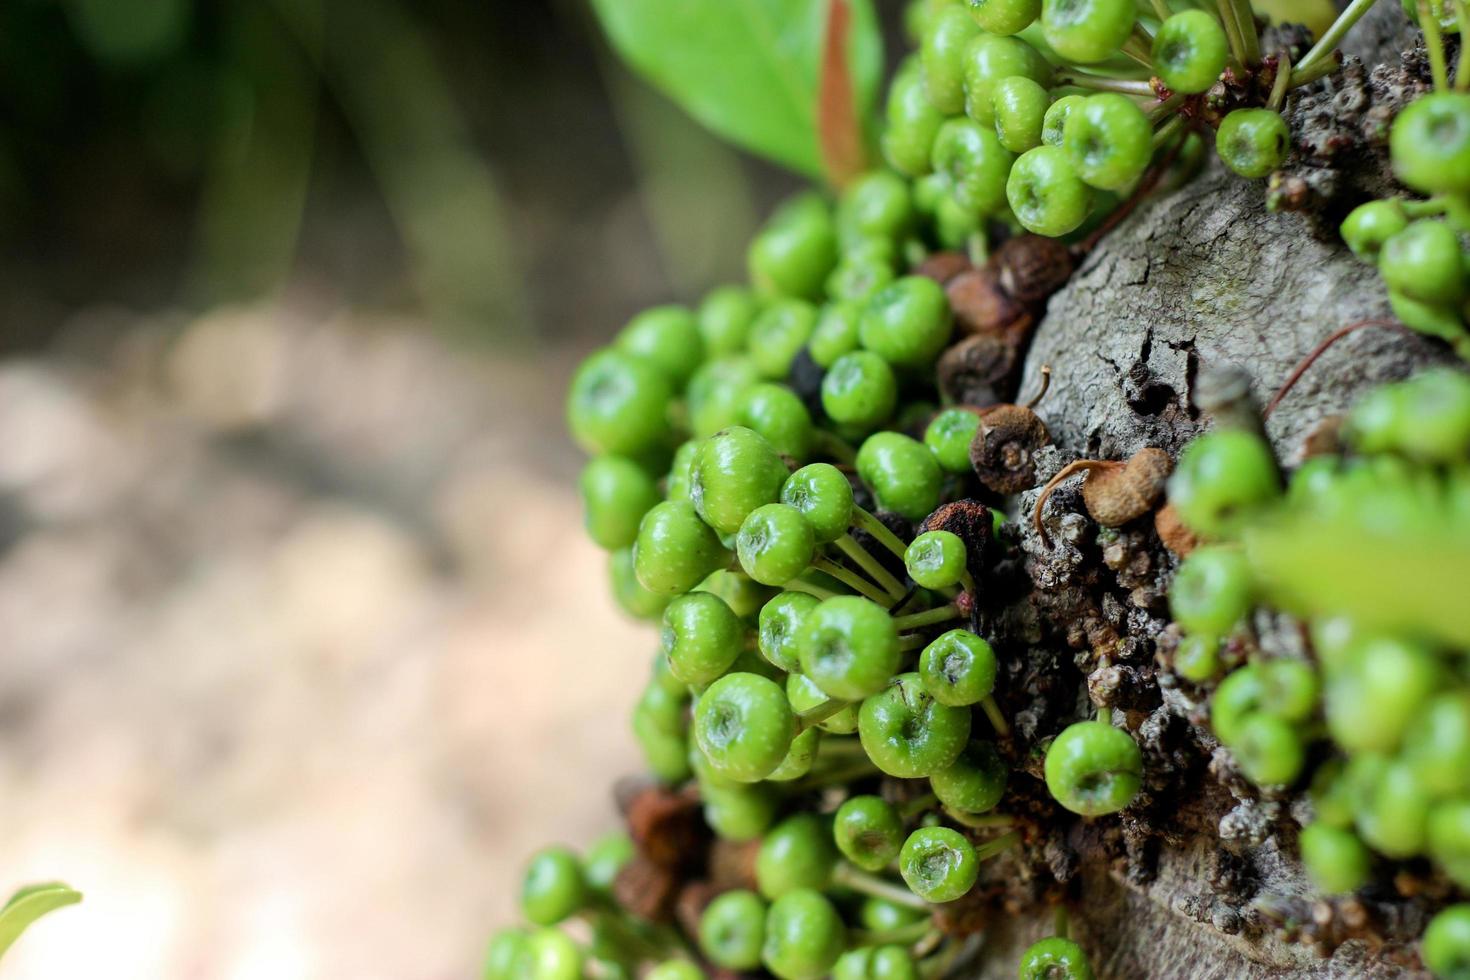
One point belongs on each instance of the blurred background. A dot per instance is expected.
(303, 647)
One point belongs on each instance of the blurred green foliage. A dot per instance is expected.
(455, 158)
(747, 69)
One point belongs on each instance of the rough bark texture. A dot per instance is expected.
(1204, 276)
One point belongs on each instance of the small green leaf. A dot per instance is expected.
(1401, 583)
(747, 69)
(29, 904)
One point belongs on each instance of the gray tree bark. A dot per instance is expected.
(1207, 275)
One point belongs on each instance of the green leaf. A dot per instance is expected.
(29, 904)
(747, 69)
(1401, 583)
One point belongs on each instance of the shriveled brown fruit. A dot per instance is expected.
(971, 522)
(732, 863)
(691, 902)
(1031, 267)
(665, 826)
(943, 266)
(646, 889)
(1117, 495)
(1003, 452)
(1114, 492)
(981, 305)
(979, 370)
(1173, 532)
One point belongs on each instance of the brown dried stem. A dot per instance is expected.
(1066, 472)
(1306, 362)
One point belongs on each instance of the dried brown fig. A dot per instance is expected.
(666, 826)
(943, 266)
(980, 305)
(646, 889)
(1114, 492)
(1032, 267)
(979, 370)
(1004, 449)
(1177, 537)
(732, 863)
(1116, 496)
(971, 522)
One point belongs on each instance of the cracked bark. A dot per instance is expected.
(1206, 275)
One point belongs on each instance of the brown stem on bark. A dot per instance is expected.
(1317, 352)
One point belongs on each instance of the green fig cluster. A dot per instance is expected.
(775, 472)
(1421, 245)
(1368, 547)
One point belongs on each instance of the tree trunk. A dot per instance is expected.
(1206, 883)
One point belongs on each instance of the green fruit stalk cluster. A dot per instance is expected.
(815, 630)
(773, 474)
(1419, 245)
(809, 636)
(1039, 113)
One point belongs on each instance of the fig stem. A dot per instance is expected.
(1306, 362)
(1070, 470)
(979, 821)
(997, 719)
(833, 445)
(939, 614)
(871, 565)
(998, 846)
(916, 806)
(912, 642)
(1232, 30)
(939, 966)
(1245, 20)
(1162, 110)
(1137, 47)
(1334, 33)
(852, 580)
(901, 936)
(836, 776)
(1439, 69)
(848, 876)
(1283, 77)
(802, 585)
(841, 749)
(977, 246)
(1166, 132)
(927, 944)
(867, 522)
(967, 582)
(819, 713)
(1045, 386)
(1462, 69)
(1098, 83)
(1321, 69)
